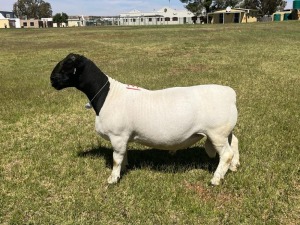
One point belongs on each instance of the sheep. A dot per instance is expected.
(169, 119)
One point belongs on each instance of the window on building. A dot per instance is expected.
(32, 24)
(7, 15)
(236, 17)
(150, 19)
(221, 18)
(167, 19)
(142, 19)
(134, 20)
(24, 24)
(175, 18)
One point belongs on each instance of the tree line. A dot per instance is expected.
(32, 9)
(264, 7)
(38, 9)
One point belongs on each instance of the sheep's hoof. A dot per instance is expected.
(113, 179)
(233, 166)
(215, 181)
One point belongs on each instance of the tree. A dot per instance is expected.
(268, 7)
(249, 4)
(45, 10)
(265, 7)
(222, 4)
(32, 9)
(60, 18)
(197, 6)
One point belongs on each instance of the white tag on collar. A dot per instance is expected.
(88, 105)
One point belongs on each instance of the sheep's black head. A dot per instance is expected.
(67, 72)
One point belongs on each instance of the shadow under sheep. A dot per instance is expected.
(160, 160)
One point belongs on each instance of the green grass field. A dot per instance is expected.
(54, 167)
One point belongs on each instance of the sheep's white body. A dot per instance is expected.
(170, 119)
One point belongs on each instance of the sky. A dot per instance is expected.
(101, 7)
(105, 7)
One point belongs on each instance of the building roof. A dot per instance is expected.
(163, 12)
(235, 10)
(7, 15)
(231, 11)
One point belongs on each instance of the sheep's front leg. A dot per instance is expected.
(119, 144)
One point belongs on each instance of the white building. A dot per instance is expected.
(164, 16)
(47, 22)
(8, 20)
(76, 21)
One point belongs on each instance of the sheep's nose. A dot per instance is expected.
(52, 79)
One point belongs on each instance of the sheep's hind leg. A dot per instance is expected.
(236, 156)
(226, 154)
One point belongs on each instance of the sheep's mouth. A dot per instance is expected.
(59, 83)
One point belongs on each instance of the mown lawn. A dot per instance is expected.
(54, 167)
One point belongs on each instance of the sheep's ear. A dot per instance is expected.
(78, 61)
(72, 57)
